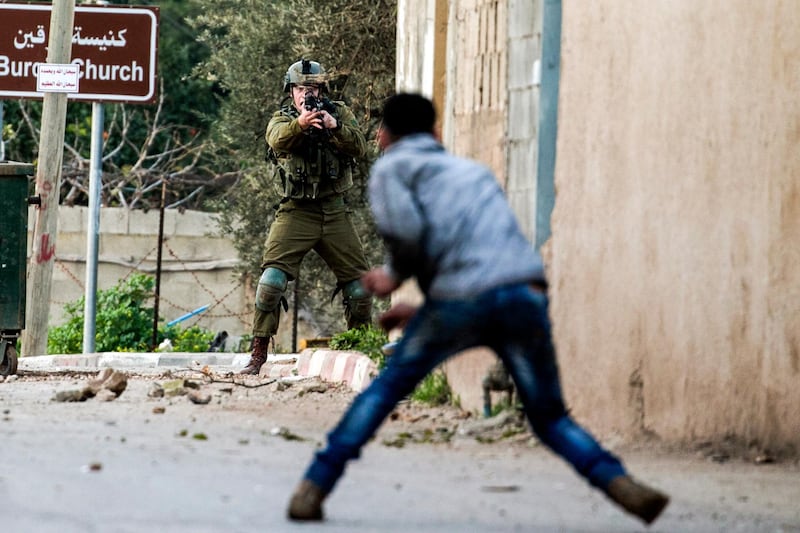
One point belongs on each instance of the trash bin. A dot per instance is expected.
(14, 201)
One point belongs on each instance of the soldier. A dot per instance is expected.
(314, 143)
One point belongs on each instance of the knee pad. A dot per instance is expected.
(271, 287)
(357, 303)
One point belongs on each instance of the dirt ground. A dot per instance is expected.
(312, 406)
(715, 487)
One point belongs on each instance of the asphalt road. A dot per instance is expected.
(230, 465)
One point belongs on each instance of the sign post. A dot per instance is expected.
(86, 53)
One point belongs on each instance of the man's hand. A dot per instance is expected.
(328, 120)
(316, 119)
(311, 119)
(397, 317)
(379, 282)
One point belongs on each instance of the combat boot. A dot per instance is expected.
(258, 357)
(636, 498)
(306, 502)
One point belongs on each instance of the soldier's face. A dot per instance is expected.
(299, 94)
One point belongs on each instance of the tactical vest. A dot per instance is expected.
(316, 169)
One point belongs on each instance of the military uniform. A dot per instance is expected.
(314, 168)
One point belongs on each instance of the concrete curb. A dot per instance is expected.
(353, 368)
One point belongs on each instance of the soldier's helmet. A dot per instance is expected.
(304, 72)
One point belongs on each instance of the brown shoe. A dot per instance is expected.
(636, 498)
(258, 357)
(306, 502)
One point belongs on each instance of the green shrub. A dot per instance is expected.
(502, 405)
(365, 339)
(191, 339)
(432, 390)
(123, 323)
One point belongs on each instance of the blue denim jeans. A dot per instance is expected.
(511, 320)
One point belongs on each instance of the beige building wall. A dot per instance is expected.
(524, 48)
(676, 230)
(421, 48)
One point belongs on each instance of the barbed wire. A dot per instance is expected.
(218, 309)
(70, 275)
(217, 302)
(135, 267)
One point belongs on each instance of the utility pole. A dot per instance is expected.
(48, 184)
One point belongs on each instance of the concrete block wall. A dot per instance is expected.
(197, 266)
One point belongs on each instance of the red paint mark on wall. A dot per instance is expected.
(46, 250)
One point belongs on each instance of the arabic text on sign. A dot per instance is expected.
(103, 43)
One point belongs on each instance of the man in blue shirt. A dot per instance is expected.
(446, 222)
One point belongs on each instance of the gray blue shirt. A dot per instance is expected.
(446, 221)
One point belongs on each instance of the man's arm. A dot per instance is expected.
(347, 137)
(397, 316)
(398, 218)
(283, 132)
(380, 282)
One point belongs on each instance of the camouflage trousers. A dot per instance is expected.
(300, 226)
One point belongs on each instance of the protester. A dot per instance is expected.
(446, 222)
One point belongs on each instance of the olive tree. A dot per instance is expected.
(251, 44)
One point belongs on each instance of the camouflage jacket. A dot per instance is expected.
(314, 165)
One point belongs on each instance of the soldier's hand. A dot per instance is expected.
(310, 119)
(328, 120)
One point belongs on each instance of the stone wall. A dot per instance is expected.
(197, 266)
(482, 93)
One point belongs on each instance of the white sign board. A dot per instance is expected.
(55, 78)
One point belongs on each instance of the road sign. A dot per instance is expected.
(115, 49)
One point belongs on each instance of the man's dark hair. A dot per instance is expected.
(407, 113)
